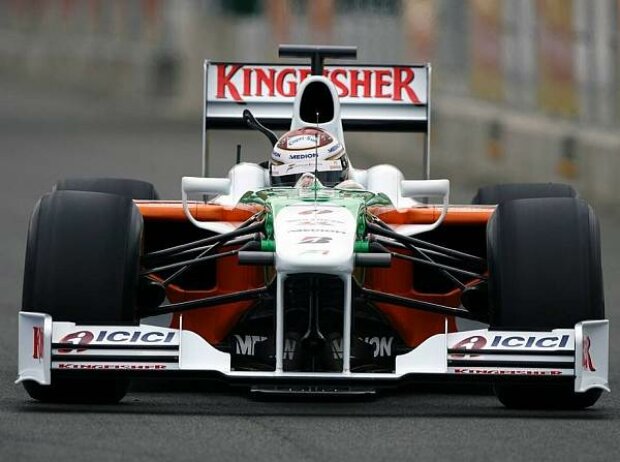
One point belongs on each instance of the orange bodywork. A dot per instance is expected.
(214, 323)
(414, 326)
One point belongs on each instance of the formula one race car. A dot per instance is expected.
(306, 275)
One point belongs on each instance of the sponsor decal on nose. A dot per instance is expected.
(315, 211)
(315, 240)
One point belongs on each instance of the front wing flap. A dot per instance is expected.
(45, 345)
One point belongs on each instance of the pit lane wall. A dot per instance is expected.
(522, 91)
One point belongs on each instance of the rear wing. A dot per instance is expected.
(380, 98)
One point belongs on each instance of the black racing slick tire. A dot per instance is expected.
(544, 273)
(133, 189)
(498, 193)
(82, 264)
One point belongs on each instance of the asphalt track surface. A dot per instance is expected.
(44, 137)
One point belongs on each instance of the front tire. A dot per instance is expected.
(498, 193)
(82, 264)
(134, 189)
(544, 396)
(544, 273)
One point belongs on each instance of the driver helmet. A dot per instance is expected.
(308, 150)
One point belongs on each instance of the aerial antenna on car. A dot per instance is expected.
(316, 157)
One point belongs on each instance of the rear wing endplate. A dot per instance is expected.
(376, 98)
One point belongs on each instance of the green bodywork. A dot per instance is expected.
(356, 201)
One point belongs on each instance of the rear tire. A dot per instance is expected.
(82, 264)
(498, 193)
(133, 189)
(544, 273)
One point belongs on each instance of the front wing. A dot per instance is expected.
(46, 346)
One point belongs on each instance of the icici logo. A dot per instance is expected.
(82, 337)
(476, 342)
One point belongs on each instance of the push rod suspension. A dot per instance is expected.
(388, 232)
(206, 250)
(382, 297)
(248, 227)
(189, 262)
(431, 253)
(441, 266)
(208, 302)
(429, 261)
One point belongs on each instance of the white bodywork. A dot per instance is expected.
(317, 239)
(385, 179)
(581, 352)
(333, 126)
